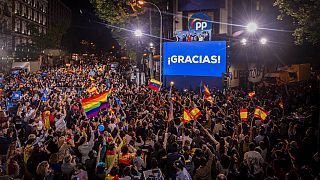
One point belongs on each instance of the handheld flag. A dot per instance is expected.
(260, 113)
(92, 90)
(16, 95)
(207, 95)
(251, 94)
(112, 110)
(117, 101)
(243, 114)
(93, 104)
(195, 113)
(155, 85)
(9, 103)
(186, 116)
(45, 96)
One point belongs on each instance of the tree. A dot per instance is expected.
(121, 15)
(306, 15)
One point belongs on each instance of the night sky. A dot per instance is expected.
(84, 26)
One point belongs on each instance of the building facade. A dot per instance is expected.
(59, 13)
(28, 14)
(5, 26)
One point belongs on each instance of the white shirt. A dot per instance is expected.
(112, 126)
(254, 158)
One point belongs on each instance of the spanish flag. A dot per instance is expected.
(91, 78)
(207, 96)
(243, 114)
(112, 110)
(92, 90)
(195, 113)
(186, 116)
(260, 113)
(155, 85)
(251, 94)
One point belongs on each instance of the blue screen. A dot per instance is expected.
(194, 58)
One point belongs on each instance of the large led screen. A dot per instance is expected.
(194, 58)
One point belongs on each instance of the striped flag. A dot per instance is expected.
(207, 95)
(260, 113)
(243, 114)
(186, 116)
(92, 90)
(195, 113)
(251, 94)
(155, 85)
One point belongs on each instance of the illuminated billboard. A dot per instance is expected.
(206, 58)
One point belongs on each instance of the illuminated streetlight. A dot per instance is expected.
(243, 41)
(252, 27)
(263, 41)
(138, 33)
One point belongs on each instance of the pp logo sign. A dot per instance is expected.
(200, 22)
(201, 25)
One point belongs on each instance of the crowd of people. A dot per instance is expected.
(46, 134)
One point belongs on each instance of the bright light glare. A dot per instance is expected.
(138, 32)
(243, 41)
(140, 2)
(252, 27)
(151, 44)
(263, 41)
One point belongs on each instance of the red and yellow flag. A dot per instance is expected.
(260, 113)
(92, 90)
(251, 94)
(91, 78)
(243, 114)
(207, 96)
(195, 113)
(186, 116)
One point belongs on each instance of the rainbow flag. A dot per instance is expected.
(155, 85)
(243, 114)
(260, 113)
(93, 104)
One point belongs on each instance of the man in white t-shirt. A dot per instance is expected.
(253, 160)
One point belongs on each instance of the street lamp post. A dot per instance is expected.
(146, 2)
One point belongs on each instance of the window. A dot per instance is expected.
(17, 7)
(24, 10)
(17, 26)
(258, 5)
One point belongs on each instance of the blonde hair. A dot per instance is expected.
(41, 169)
